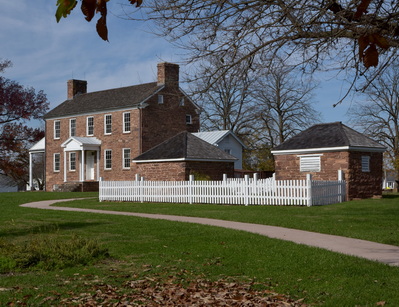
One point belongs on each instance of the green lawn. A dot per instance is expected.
(153, 250)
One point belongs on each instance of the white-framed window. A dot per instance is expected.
(126, 158)
(72, 161)
(365, 164)
(72, 127)
(126, 122)
(310, 163)
(90, 125)
(160, 99)
(57, 129)
(189, 119)
(107, 159)
(108, 124)
(57, 162)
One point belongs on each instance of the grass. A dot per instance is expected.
(145, 248)
(371, 219)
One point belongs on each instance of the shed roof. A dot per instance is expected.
(184, 147)
(214, 137)
(329, 136)
(119, 98)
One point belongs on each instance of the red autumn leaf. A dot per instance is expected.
(363, 43)
(379, 40)
(138, 2)
(371, 56)
(89, 8)
(361, 9)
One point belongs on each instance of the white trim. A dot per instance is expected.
(191, 119)
(87, 125)
(181, 159)
(54, 130)
(327, 149)
(70, 160)
(124, 123)
(105, 124)
(59, 162)
(124, 158)
(70, 126)
(105, 159)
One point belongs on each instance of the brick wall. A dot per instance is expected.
(163, 121)
(359, 184)
(287, 166)
(159, 122)
(178, 171)
(364, 184)
(116, 141)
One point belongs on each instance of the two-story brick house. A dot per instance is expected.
(95, 135)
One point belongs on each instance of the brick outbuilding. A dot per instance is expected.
(324, 149)
(183, 155)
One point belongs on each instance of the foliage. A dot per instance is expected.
(89, 9)
(18, 105)
(49, 252)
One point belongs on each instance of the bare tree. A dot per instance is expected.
(284, 103)
(339, 33)
(379, 115)
(225, 99)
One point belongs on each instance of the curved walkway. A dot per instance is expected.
(388, 254)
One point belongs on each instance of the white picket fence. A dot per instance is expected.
(235, 192)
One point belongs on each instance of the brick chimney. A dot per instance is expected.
(168, 74)
(76, 87)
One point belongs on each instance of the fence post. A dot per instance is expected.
(309, 188)
(256, 177)
(101, 190)
(341, 190)
(141, 189)
(137, 177)
(190, 188)
(246, 188)
(224, 177)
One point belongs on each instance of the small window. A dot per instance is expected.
(310, 163)
(160, 99)
(108, 124)
(365, 164)
(126, 122)
(227, 150)
(72, 161)
(181, 102)
(126, 158)
(57, 129)
(90, 125)
(188, 119)
(108, 159)
(72, 127)
(57, 162)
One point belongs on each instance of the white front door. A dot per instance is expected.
(90, 155)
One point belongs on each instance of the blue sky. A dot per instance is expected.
(45, 54)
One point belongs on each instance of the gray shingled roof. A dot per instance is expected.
(118, 98)
(329, 135)
(185, 146)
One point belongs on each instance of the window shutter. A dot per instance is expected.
(310, 164)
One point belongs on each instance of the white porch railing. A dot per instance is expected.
(235, 192)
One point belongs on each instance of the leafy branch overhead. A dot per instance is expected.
(89, 9)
